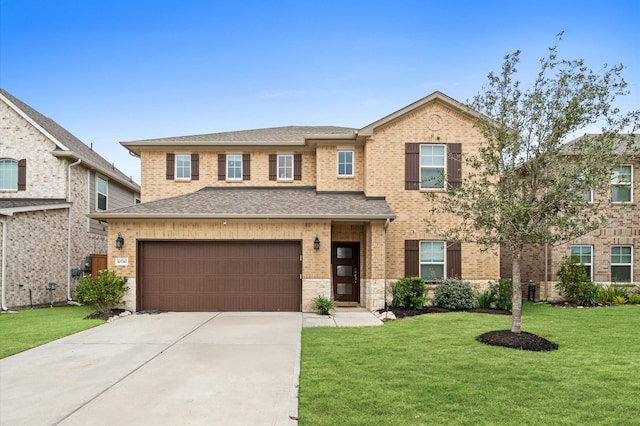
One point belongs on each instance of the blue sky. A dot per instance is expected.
(111, 71)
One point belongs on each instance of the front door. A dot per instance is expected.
(345, 260)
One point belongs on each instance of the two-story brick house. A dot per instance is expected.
(608, 253)
(49, 182)
(268, 219)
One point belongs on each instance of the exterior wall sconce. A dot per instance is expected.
(316, 244)
(119, 241)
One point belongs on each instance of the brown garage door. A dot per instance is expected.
(219, 275)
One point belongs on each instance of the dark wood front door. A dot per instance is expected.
(345, 260)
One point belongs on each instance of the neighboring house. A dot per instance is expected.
(49, 182)
(268, 219)
(610, 254)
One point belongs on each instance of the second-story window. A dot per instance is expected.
(285, 167)
(621, 186)
(432, 166)
(345, 163)
(234, 166)
(8, 175)
(183, 166)
(102, 190)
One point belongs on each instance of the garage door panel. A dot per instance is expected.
(220, 275)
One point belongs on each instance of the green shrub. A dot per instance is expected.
(409, 293)
(590, 295)
(104, 291)
(484, 298)
(634, 299)
(323, 305)
(612, 294)
(574, 281)
(503, 293)
(454, 294)
(619, 300)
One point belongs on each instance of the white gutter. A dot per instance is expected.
(69, 231)
(4, 262)
(386, 225)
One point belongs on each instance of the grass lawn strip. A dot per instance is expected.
(430, 370)
(29, 328)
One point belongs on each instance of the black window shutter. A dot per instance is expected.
(273, 166)
(246, 167)
(222, 166)
(22, 175)
(412, 166)
(454, 165)
(454, 259)
(195, 166)
(297, 166)
(411, 258)
(171, 158)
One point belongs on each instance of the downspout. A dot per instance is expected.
(4, 262)
(386, 225)
(69, 299)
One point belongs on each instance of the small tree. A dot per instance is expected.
(525, 185)
(104, 291)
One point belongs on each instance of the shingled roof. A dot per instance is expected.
(259, 203)
(273, 136)
(69, 144)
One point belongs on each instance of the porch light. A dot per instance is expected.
(316, 244)
(119, 241)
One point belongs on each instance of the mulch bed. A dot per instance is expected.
(505, 338)
(105, 316)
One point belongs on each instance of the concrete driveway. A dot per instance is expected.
(172, 368)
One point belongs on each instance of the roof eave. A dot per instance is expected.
(340, 217)
(75, 156)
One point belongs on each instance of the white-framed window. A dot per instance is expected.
(622, 263)
(183, 166)
(285, 167)
(8, 174)
(621, 184)
(102, 193)
(345, 163)
(432, 260)
(432, 166)
(583, 254)
(234, 166)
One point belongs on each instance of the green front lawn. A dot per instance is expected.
(430, 370)
(33, 327)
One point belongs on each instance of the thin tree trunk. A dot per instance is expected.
(516, 310)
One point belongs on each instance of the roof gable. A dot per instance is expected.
(434, 97)
(67, 145)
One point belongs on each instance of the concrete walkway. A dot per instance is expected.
(172, 368)
(166, 369)
(341, 317)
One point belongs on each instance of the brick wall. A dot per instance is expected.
(387, 147)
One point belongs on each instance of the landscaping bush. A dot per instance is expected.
(323, 305)
(104, 291)
(634, 299)
(590, 295)
(454, 294)
(484, 298)
(502, 293)
(574, 283)
(409, 293)
(613, 294)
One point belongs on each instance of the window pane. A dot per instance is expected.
(621, 254)
(621, 274)
(102, 202)
(285, 166)
(345, 163)
(582, 253)
(344, 253)
(344, 270)
(9, 174)
(183, 166)
(432, 272)
(101, 189)
(431, 178)
(621, 194)
(432, 155)
(432, 251)
(344, 288)
(621, 175)
(234, 166)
